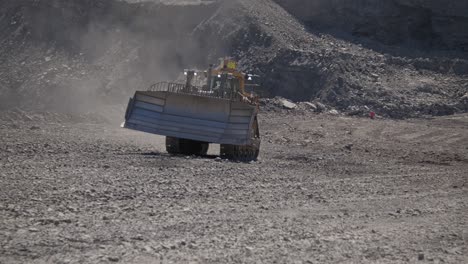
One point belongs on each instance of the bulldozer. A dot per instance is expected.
(201, 107)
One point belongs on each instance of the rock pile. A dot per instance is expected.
(100, 52)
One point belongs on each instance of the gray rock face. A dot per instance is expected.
(429, 24)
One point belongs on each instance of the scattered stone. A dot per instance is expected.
(192, 245)
(249, 251)
(148, 249)
(34, 128)
(138, 237)
(321, 107)
(333, 112)
(66, 221)
(311, 106)
(421, 256)
(288, 104)
(72, 208)
(349, 147)
(113, 259)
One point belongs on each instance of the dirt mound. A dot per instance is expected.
(302, 66)
(78, 55)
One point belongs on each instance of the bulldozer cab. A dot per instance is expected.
(225, 85)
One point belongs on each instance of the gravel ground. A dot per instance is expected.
(326, 189)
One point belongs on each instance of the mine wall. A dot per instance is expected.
(76, 56)
(420, 24)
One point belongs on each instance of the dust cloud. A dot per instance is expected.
(86, 56)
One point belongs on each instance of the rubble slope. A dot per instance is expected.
(78, 55)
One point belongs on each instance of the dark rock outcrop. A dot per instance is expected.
(415, 23)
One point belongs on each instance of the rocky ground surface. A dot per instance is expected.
(331, 185)
(327, 189)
